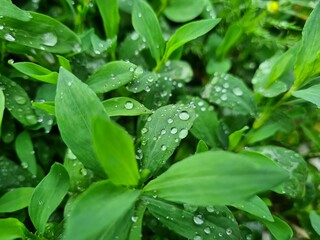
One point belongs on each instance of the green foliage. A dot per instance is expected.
(171, 119)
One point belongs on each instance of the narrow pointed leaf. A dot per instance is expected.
(256, 207)
(309, 94)
(98, 209)
(47, 196)
(315, 221)
(117, 158)
(214, 178)
(10, 10)
(279, 229)
(124, 106)
(189, 32)
(110, 16)
(36, 71)
(15, 199)
(76, 107)
(145, 22)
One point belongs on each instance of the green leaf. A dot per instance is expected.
(45, 106)
(65, 63)
(145, 22)
(2, 107)
(162, 134)
(76, 107)
(202, 147)
(12, 228)
(292, 163)
(310, 94)
(15, 199)
(40, 32)
(117, 158)
(307, 62)
(255, 206)
(143, 82)
(279, 229)
(124, 106)
(217, 178)
(112, 76)
(137, 219)
(315, 221)
(36, 71)
(18, 102)
(12, 11)
(25, 152)
(205, 126)
(189, 32)
(230, 92)
(235, 137)
(110, 16)
(212, 222)
(99, 46)
(222, 66)
(98, 209)
(47, 196)
(183, 10)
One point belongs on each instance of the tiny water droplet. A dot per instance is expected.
(69, 83)
(128, 105)
(1, 27)
(9, 37)
(20, 100)
(198, 219)
(224, 97)
(83, 172)
(210, 209)
(207, 230)
(237, 91)
(173, 130)
(24, 165)
(144, 130)
(170, 120)
(184, 115)
(134, 218)
(197, 237)
(163, 148)
(163, 131)
(49, 39)
(228, 231)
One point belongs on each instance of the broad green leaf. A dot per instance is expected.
(17, 102)
(12, 228)
(145, 22)
(98, 209)
(255, 206)
(110, 16)
(230, 92)
(2, 107)
(47, 196)
(177, 71)
(315, 221)
(274, 76)
(217, 178)
(307, 62)
(15, 199)
(162, 134)
(124, 106)
(36, 71)
(292, 163)
(310, 94)
(113, 75)
(212, 222)
(279, 228)
(231, 37)
(143, 82)
(205, 126)
(235, 137)
(117, 158)
(12, 11)
(189, 32)
(76, 107)
(222, 66)
(264, 132)
(25, 151)
(40, 32)
(14, 176)
(45, 106)
(183, 10)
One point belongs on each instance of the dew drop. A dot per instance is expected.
(197, 237)
(184, 115)
(131, 69)
(163, 131)
(24, 165)
(83, 172)
(20, 100)
(1, 27)
(170, 120)
(128, 105)
(49, 39)
(228, 231)
(139, 15)
(173, 130)
(163, 148)
(9, 37)
(198, 219)
(237, 91)
(224, 97)
(134, 219)
(144, 130)
(183, 133)
(207, 230)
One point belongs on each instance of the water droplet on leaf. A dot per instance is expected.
(184, 115)
(49, 39)
(128, 105)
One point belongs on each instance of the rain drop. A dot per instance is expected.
(173, 130)
(144, 130)
(83, 172)
(210, 209)
(9, 37)
(163, 131)
(183, 133)
(134, 218)
(207, 230)
(49, 39)
(197, 237)
(20, 100)
(128, 105)
(1, 27)
(198, 219)
(184, 115)
(237, 91)
(24, 165)
(170, 120)
(224, 97)
(228, 231)
(163, 148)
(131, 69)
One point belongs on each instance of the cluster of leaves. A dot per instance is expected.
(181, 119)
